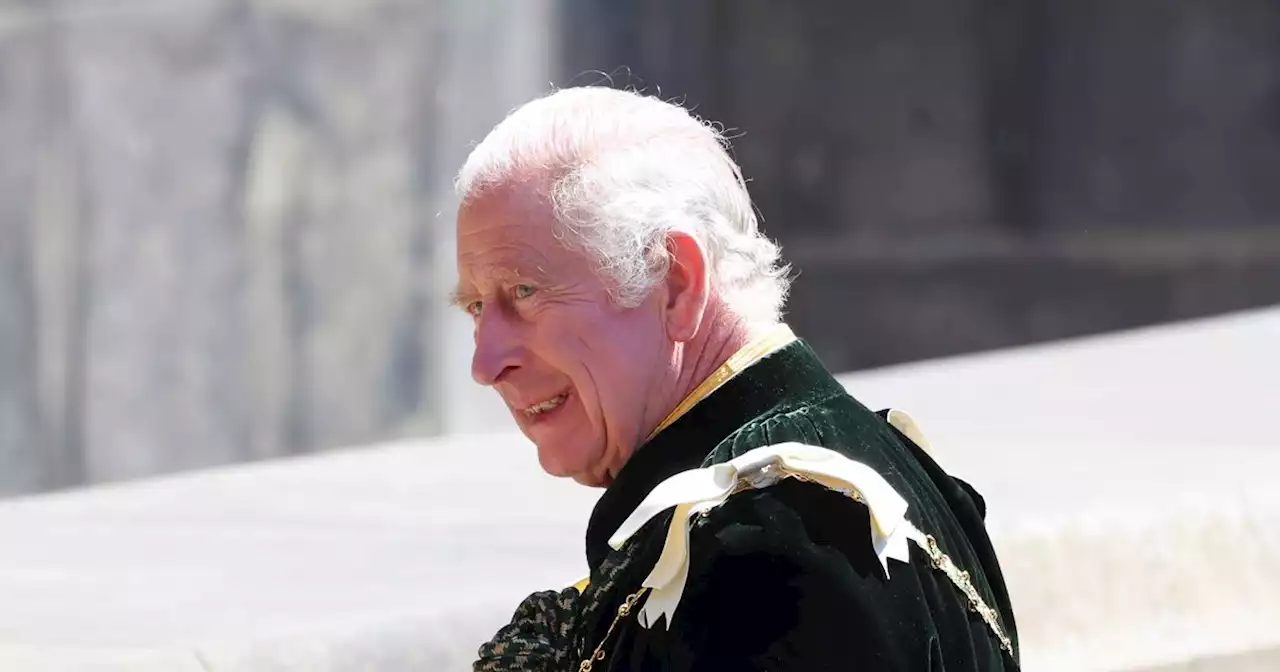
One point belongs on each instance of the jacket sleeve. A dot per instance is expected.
(785, 578)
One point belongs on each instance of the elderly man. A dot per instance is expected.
(755, 516)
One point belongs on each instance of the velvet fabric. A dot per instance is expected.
(785, 577)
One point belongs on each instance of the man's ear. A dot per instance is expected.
(688, 286)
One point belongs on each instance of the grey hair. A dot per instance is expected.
(625, 170)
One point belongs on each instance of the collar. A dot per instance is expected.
(766, 381)
(760, 347)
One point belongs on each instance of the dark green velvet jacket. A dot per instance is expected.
(784, 577)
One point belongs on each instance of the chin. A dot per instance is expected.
(565, 466)
(591, 480)
(553, 464)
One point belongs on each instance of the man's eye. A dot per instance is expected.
(473, 308)
(522, 291)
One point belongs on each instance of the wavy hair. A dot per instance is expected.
(621, 171)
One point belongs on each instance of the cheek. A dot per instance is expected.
(626, 355)
(607, 356)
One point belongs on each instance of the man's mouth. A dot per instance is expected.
(544, 406)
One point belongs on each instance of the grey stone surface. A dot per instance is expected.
(1130, 479)
(499, 55)
(1250, 661)
(24, 80)
(1131, 484)
(1004, 168)
(1159, 115)
(225, 225)
(235, 244)
(394, 557)
(956, 296)
(158, 112)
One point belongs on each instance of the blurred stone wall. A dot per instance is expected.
(224, 224)
(958, 176)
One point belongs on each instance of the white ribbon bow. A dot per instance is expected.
(700, 490)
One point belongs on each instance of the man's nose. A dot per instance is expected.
(498, 348)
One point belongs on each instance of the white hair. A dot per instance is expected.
(624, 170)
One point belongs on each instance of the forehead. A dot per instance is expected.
(510, 231)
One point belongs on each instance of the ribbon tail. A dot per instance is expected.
(675, 550)
(894, 546)
(666, 580)
(663, 601)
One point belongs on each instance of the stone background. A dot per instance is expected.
(225, 225)
(975, 174)
(223, 222)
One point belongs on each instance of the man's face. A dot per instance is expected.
(576, 371)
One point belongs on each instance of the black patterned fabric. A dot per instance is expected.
(539, 637)
(544, 633)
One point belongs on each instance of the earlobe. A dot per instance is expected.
(687, 286)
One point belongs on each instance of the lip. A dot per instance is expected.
(538, 418)
(522, 403)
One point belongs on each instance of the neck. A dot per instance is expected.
(698, 358)
(695, 361)
(701, 359)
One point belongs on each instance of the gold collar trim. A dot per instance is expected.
(760, 347)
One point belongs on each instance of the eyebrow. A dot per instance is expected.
(459, 297)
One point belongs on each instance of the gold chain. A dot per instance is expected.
(960, 579)
(624, 610)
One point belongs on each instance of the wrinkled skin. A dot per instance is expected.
(547, 329)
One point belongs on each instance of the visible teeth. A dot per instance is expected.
(544, 406)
